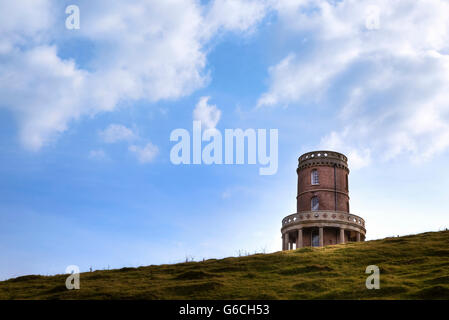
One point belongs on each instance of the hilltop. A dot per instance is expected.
(411, 267)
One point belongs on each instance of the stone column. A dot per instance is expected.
(299, 239)
(283, 241)
(358, 236)
(321, 237)
(342, 235)
(287, 241)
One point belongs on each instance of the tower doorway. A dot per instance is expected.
(315, 238)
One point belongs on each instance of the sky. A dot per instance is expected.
(86, 116)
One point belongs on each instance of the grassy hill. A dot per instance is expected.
(412, 267)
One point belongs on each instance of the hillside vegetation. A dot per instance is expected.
(411, 267)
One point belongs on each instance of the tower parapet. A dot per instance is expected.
(323, 158)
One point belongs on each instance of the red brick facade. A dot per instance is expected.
(332, 193)
(323, 214)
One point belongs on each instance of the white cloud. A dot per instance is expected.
(392, 76)
(236, 15)
(42, 90)
(32, 18)
(357, 157)
(148, 50)
(145, 154)
(209, 115)
(97, 155)
(117, 132)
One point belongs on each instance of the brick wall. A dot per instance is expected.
(326, 181)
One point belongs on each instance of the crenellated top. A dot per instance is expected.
(323, 158)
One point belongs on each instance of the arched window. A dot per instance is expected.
(314, 203)
(314, 177)
(347, 184)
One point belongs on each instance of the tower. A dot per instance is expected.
(322, 204)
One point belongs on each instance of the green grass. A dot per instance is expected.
(412, 267)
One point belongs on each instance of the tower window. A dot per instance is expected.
(347, 184)
(314, 177)
(314, 203)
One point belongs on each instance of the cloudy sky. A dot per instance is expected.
(86, 116)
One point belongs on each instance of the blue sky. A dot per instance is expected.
(86, 116)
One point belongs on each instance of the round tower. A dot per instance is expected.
(322, 204)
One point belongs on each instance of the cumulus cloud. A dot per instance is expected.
(117, 132)
(357, 157)
(42, 90)
(209, 115)
(148, 50)
(389, 63)
(236, 15)
(145, 154)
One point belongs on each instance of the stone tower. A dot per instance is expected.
(322, 211)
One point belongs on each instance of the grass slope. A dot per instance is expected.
(412, 267)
